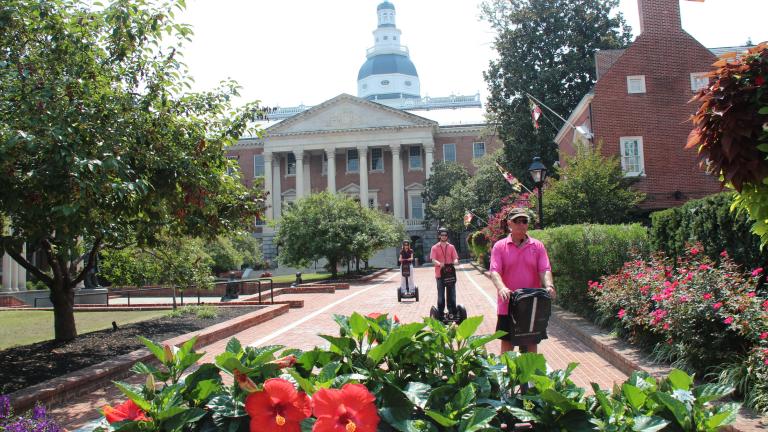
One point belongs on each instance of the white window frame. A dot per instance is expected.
(699, 80)
(451, 145)
(381, 158)
(640, 172)
(255, 165)
(411, 195)
(640, 79)
(357, 158)
(412, 158)
(474, 149)
(288, 165)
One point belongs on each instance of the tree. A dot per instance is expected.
(224, 254)
(546, 48)
(731, 131)
(333, 227)
(250, 248)
(591, 189)
(444, 176)
(99, 143)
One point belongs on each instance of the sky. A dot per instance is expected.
(293, 52)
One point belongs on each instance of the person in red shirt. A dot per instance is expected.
(444, 253)
(518, 261)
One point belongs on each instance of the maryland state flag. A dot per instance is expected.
(514, 182)
(468, 218)
(535, 115)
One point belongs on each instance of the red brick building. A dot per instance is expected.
(639, 108)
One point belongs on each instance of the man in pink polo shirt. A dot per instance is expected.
(444, 253)
(518, 261)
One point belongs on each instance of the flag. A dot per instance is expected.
(468, 218)
(535, 115)
(515, 183)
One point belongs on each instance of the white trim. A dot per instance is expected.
(485, 151)
(576, 113)
(640, 156)
(638, 79)
(263, 165)
(455, 156)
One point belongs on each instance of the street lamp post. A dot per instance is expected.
(538, 173)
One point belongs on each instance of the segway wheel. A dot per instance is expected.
(399, 295)
(462, 313)
(417, 293)
(433, 313)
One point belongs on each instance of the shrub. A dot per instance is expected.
(378, 374)
(580, 253)
(700, 316)
(710, 222)
(200, 311)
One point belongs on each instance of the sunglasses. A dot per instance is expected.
(443, 235)
(518, 221)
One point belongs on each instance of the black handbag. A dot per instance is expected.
(448, 274)
(529, 310)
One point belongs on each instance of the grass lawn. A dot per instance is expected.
(26, 327)
(305, 277)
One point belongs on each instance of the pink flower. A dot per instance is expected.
(728, 320)
(717, 305)
(724, 253)
(705, 267)
(757, 271)
(694, 251)
(765, 305)
(644, 289)
(622, 312)
(707, 296)
(683, 299)
(751, 294)
(666, 326)
(764, 335)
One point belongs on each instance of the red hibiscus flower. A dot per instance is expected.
(351, 409)
(728, 320)
(717, 305)
(278, 407)
(376, 315)
(757, 272)
(764, 335)
(622, 312)
(244, 382)
(127, 410)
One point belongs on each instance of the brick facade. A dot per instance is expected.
(666, 56)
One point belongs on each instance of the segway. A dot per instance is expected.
(405, 292)
(529, 310)
(448, 275)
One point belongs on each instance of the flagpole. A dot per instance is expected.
(477, 217)
(550, 109)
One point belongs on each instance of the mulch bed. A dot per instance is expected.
(27, 365)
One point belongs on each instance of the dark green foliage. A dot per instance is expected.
(710, 222)
(547, 49)
(444, 176)
(582, 253)
(591, 189)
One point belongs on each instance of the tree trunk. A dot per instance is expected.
(63, 299)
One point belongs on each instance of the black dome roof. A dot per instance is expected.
(387, 64)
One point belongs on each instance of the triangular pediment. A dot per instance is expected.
(346, 113)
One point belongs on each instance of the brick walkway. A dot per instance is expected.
(299, 328)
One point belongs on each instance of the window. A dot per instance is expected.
(417, 206)
(408, 83)
(353, 162)
(372, 203)
(290, 164)
(385, 83)
(258, 165)
(632, 156)
(699, 80)
(377, 159)
(636, 84)
(478, 150)
(414, 158)
(449, 152)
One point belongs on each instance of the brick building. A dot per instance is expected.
(639, 108)
(377, 147)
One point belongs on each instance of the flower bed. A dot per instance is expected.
(380, 375)
(704, 317)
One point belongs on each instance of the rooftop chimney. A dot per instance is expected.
(659, 16)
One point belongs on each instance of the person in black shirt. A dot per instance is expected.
(406, 267)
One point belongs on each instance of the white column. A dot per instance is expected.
(299, 173)
(429, 150)
(7, 264)
(268, 185)
(362, 157)
(397, 183)
(277, 190)
(331, 171)
(21, 272)
(308, 175)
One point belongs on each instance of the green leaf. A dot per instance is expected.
(303, 383)
(468, 327)
(634, 396)
(135, 396)
(763, 110)
(155, 349)
(441, 419)
(476, 342)
(562, 403)
(648, 424)
(340, 345)
(709, 392)
(677, 408)
(418, 393)
(397, 338)
(680, 380)
(358, 325)
(234, 346)
(529, 364)
(476, 419)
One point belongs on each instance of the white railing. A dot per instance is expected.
(385, 49)
(414, 224)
